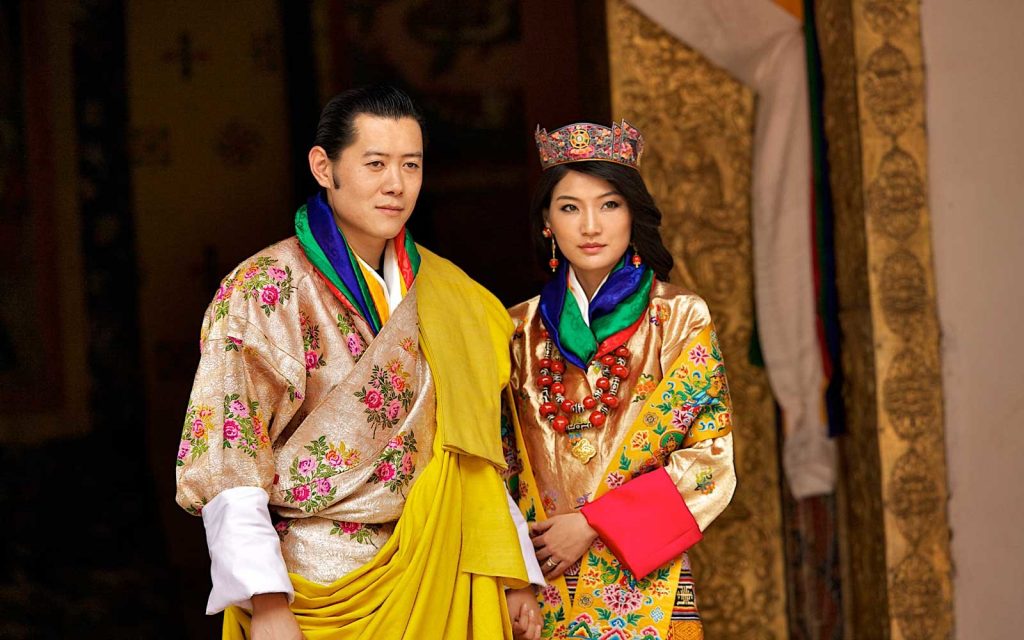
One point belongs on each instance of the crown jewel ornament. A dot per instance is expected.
(583, 141)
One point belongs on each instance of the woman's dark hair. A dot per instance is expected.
(336, 129)
(646, 217)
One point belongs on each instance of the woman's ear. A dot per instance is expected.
(320, 167)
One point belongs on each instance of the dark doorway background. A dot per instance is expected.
(94, 545)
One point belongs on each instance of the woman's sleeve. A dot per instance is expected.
(246, 390)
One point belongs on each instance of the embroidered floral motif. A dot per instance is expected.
(699, 355)
(283, 527)
(548, 502)
(196, 508)
(353, 341)
(396, 465)
(512, 462)
(705, 482)
(410, 346)
(357, 531)
(554, 626)
(550, 594)
(311, 344)
(641, 441)
(260, 280)
(659, 314)
(195, 435)
(293, 392)
(233, 344)
(387, 397)
(312, 473)
(243, 426)
(644, 386)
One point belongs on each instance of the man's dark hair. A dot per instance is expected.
(336, 129)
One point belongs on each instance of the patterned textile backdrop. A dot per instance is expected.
(898, 577)
(699, 124)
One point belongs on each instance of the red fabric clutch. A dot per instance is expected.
(645, 522)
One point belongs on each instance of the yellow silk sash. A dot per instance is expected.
(688, 405)
(441, 574)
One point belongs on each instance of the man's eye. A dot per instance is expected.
(375, 163)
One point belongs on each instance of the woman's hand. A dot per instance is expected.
(272, 619)
(560, 541)
(525, 613)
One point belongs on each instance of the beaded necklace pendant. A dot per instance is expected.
(571, 418)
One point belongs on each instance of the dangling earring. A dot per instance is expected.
(637, 260)
(553, 262)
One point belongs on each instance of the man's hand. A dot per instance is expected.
(525, 613)
(272, 619)
(560, 541)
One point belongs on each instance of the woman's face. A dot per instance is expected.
(591, 223)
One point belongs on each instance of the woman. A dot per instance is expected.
(618, 417)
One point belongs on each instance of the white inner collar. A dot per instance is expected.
(581, 297)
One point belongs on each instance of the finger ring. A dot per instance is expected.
(552, 563)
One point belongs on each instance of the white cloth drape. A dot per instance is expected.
(762, 46)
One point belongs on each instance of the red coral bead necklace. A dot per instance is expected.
(557, 409)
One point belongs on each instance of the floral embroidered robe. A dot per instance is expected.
(703, 473)
(294, 395)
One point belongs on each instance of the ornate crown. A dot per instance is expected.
(583, 141)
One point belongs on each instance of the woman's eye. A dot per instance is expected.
(412, 165)
(611, 204)
(569, 208)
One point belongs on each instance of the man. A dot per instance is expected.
(342, 438)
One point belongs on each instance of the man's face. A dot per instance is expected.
(377, 179)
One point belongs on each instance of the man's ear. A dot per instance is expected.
(320, 167)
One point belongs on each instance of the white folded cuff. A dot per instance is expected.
(533, 572)
(245, 551)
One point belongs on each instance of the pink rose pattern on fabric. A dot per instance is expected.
(386, 396)
(195, 434)
(373, 399)
(243, 426)
(358, 531)
(353, 342)
(311, 345)
(261, 281)
(310, 474)
(396, 465)
(283, 527)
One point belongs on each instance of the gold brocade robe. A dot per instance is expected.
(296, 396)
(704, 473)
